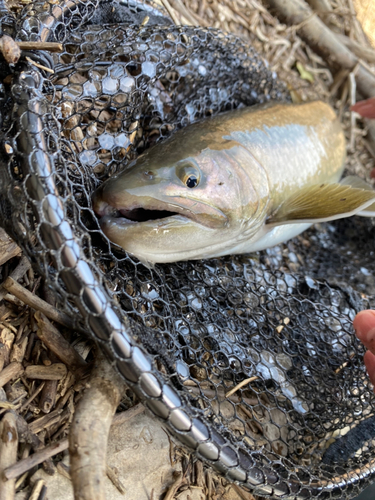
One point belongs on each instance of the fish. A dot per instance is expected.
(241, 181)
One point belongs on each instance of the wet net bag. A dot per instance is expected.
(276, 326)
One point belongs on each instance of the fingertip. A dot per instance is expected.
(364, 325)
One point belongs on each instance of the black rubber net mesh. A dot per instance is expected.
(280, 321)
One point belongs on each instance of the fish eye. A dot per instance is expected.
(188, 174)
(149, 174)
(191, 181)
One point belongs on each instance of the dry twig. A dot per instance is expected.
(56, 371)
(115, 480)
(37, 489)
(40, 66)
(35, 459)
(48, 46)
(324, 41)
(90, 429)
(40, 456)
(241, 384)
(244, 495)
(10, 372)
(8, 248)
(48, 396)
(37, 303)
(320, 6)
(53, 339)
(8, 454)
(22, 268)
(362, 51)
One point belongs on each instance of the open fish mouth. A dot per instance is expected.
(134, 215)
(158, 211)
(143, 214)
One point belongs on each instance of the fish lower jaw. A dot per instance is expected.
(123, 221)
(120, 221)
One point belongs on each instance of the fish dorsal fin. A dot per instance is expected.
(322, 202)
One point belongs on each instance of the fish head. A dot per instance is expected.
(167, 207)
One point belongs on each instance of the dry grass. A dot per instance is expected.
(365, 10)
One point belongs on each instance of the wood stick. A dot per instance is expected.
(179, 481)
(21, 480)
(2, 357)
(42, 455)
(56, 371)
(124, 416)
(64, 470)
(49, 468)
(211, 393)
(241, 384)
(48, 396)
(90, 429)
(37, 458)
(38, 486)
(22, 268)
(8, 248)
(8, 454)
(10, 372)
(320, 6)
(32, 397)
(18, 350)
(46, 421)
(30, 345)
(361, 51)
(37, 303)
(244, 495)
(25, 435)
(112, 476)
(324, 41)
(6, 343)
(40, 66)
(48, 46)
(53, 339)
(44, 358)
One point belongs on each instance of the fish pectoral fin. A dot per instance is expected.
(357, 182)
(368, 211)
(323, 202)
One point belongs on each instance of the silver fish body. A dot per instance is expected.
(239, 182)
